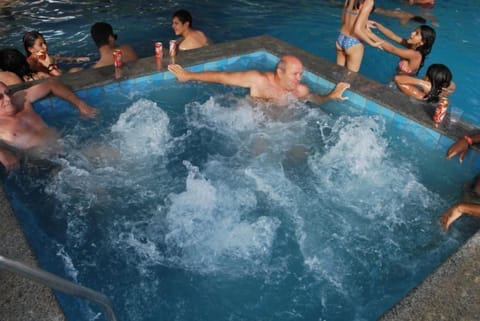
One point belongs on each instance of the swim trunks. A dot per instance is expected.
(345, 42)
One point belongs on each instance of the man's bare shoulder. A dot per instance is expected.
(125, 47)
(9, 78)
(128, 51)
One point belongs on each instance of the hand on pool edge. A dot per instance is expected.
(179, 72)
(459, 147)
(337, 92)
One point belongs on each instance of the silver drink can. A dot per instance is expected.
(173, 48)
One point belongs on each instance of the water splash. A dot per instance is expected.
(207, 230)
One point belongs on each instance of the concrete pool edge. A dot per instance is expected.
(442, 295)
(20, 298)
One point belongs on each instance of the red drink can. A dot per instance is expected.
(173, 48)
(117, 58)
(158, 49)
(440, 110)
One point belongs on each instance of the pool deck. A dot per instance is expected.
(452, 292)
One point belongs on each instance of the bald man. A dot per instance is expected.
(277, 86)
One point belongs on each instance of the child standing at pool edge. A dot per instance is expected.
(353, 33)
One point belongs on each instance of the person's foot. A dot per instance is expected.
(450, 216)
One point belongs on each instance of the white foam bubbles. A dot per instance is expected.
(68, 263)
(367, 196)
(121, 161)
(226, 114)
(209, 231)
(142, 130)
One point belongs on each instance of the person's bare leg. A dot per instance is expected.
(456, 211)
(341, 59)
(354, 57)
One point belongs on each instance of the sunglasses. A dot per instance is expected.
(7, 92)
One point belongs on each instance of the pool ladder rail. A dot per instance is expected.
(59, 284)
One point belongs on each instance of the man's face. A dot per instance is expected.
(6, 106)
(178, 27)
(292, 75)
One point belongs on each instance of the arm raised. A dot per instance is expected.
(387, 32)
(360, 29)
(245, 79)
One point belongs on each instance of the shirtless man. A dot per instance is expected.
(460, 147)
(102, 34)
(190, 38)
(278, 86)
(21, 128)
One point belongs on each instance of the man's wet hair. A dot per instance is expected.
(418, 19)
(14, 61)
(184, 16)
(100, 32)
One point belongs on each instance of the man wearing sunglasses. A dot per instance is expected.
(21, 128)
(104, 38)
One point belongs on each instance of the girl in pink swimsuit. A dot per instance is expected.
(416, 47)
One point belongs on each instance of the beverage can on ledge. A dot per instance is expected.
(173, 48)
(117, 58)
(158, 49)
(440, 110)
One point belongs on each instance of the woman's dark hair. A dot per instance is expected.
(14, 61)
(440, 77)
(184, 16)
(29, 40)
(428, 38)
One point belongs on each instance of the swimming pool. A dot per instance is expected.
(310, 25)
(234, 215)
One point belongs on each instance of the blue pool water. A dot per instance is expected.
(310, 25)
(185, 202)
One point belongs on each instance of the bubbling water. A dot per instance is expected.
(298, 201)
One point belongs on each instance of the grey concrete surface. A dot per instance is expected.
(451, 293)
(21, 299)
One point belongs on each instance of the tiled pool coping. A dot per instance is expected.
(452, 292)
